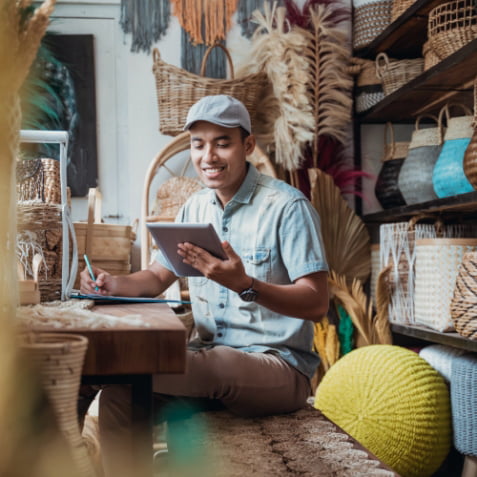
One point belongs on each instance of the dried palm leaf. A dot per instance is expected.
(345, 237)
(285, 111)
(319, 341)
(382, 328)
(332, 346)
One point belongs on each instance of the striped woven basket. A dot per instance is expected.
(463, 306)
(370, 18)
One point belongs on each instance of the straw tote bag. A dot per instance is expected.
(437, 265)
(387, 188)
(415, 178)
(448, 177)
(470, 156)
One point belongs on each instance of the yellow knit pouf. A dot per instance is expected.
(394, 403)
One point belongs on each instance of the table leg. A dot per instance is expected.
(142, 418)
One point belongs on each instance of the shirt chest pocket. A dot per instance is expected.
(258, 263)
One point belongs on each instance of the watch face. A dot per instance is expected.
(248, 295)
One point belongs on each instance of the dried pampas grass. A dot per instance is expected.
(345, 236)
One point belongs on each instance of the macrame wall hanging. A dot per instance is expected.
(244, 15)
(146, 20)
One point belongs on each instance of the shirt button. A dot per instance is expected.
(222, 305)
(225, 229)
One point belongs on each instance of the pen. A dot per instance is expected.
(90, 270)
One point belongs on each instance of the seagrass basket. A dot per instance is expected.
(430, 56)
(396, 73)
(370, 18)
(177, 90)
(399, 7)
(58, 358)
(369, 90)
(463, 307)
(451, 26)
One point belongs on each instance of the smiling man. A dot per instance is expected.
(253, 312)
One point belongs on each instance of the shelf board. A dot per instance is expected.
(405, 36)
(449, 80)
(427, 334)
(462, 203)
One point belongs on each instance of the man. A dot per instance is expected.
(254, 312)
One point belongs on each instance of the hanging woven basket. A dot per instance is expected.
(470, 156)
(178, 89)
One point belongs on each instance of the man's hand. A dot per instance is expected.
(230, 273)
(104, 282)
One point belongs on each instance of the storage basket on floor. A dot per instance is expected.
(177, 90)
(451, 26)
(370, 18)
(464, 403)
(448, 177)
(108, 246)
(386, 188)
(396, 73)
(463, 306)
(415, 177)
(58, 358)
(440, 357)
(437, 265)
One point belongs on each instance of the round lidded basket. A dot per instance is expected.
(58, 358)
(396, 73)
(451, 26)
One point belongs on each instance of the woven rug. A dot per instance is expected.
(304, 443)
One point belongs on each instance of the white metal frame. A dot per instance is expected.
(61, 138)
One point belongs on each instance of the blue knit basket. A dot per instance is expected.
(464, 403)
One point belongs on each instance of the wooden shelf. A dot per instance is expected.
(466, 203)
(449, 80)
(432, 336)
(404, 37)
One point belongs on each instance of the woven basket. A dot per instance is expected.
(463, 403)
(437, 265)
(415, 177)
(451, 26)
(430, 56)
(448, 177)
(370, 18)
(58, 358)
(440, 357)
(463, 306)
(177, 90)
(396, 73)
(39, 179)
(470, 155)
(399, 7)
(375, 269)
(369, 90)
(397, 248)
(387, 188)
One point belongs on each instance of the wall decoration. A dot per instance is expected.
(146, 20)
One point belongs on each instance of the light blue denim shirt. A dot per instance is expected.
(276, 231)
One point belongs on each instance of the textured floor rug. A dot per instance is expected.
(304, 444)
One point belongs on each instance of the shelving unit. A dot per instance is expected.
(449, 80)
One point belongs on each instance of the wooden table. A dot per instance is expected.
(131, 355)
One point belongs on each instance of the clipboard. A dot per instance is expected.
(168, 235)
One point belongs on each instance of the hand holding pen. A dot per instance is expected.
(90, 270)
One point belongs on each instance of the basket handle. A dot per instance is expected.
(380, 67)
(94, 217)
(434, 118)
(207, 53)
(445, 110)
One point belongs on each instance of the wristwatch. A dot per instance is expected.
(249, 294)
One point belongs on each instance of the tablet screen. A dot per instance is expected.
(167, 235)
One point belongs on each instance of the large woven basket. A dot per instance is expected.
(463, 404)
(437, 265)
(396, 73)
(58, 358)
(463, 307)
(451, 26)
(370, 18)
(430, 56)
(369, 89)
(178, 89)
(440, 357)
(399, 7)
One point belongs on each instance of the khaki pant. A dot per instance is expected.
(247, 384)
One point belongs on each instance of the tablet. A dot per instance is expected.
(167, 235)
